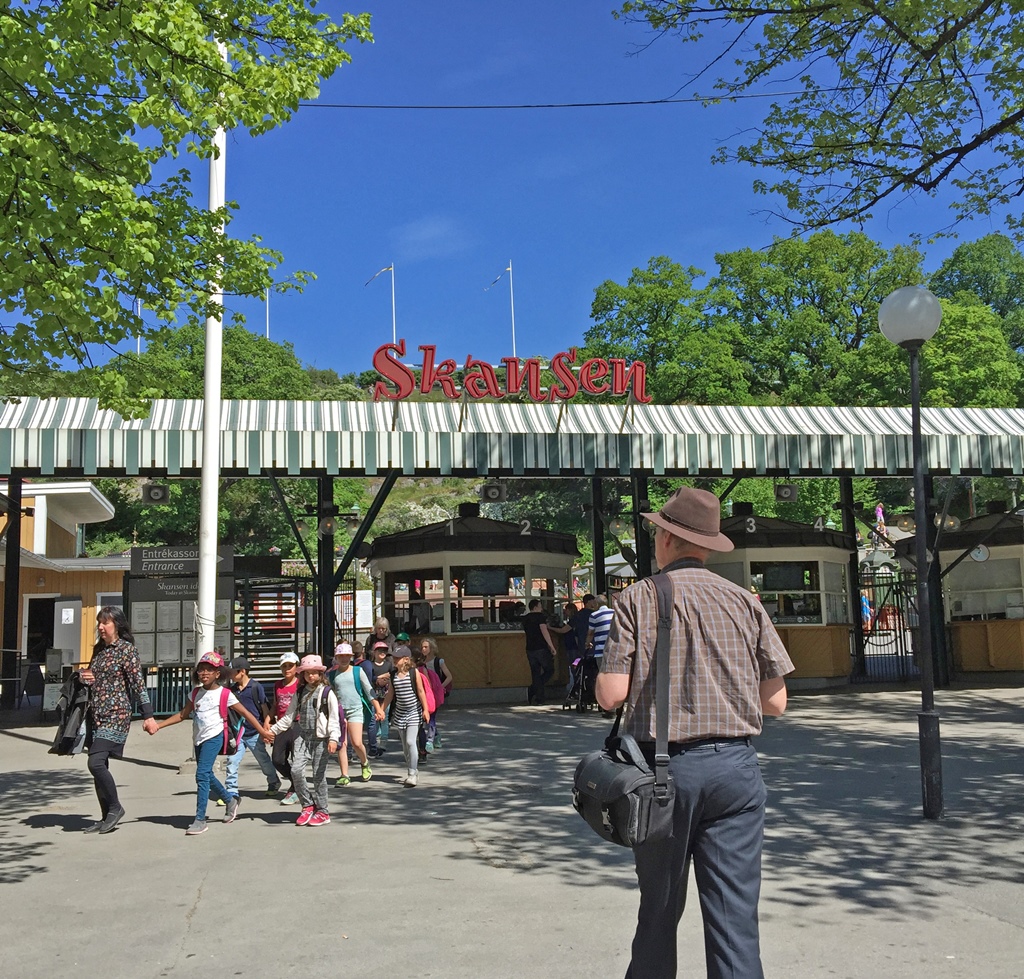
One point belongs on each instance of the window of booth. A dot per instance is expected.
(730, 570)
(986, 590)
(836, 593)
(790, 591)
(413, 599)
(487, 598)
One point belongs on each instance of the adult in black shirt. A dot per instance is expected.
(540, 652)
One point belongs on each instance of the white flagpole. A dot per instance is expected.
(268, 312)
(394, 328)
(512, 303)
(209, 491)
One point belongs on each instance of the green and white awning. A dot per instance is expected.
(69, 437)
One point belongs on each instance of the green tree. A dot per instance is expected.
(992, 270)
(882, 101)
(253, 366)
(659, 317)
(805, 306)
(97, 99)
(967, 364)
(771, 327)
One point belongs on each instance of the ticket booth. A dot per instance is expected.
(467, 582)
(800, 574)
(984, 592)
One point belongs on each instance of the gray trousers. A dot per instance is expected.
(719, 826)
(407, 735)
(310, 752)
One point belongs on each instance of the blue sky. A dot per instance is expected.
(572, 196)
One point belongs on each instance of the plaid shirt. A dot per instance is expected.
(723, 645)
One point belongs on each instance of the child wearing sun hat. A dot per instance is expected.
(315, 709)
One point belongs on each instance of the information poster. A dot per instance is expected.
(144, 617)
(145, 643)
(168, 616)
(168, 647)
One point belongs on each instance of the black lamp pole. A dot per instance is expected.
(908, 317)
(928, 718)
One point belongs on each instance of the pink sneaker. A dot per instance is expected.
(305, 816)
(320, 818)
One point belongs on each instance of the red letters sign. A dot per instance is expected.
(480, 379)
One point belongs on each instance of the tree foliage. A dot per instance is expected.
(96, 99)
(880, 100)
(779, 326)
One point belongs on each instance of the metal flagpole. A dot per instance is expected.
(268, 312)
(210, 481)
(388, 268)
(512, 303)
(394, 328)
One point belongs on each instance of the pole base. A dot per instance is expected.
(931, 763)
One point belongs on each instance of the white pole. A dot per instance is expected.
(394, 327)
(512, 303)
(268, 312)
(210, 482)
(138, 336)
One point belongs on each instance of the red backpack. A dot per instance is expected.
(233, 723)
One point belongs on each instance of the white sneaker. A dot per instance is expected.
(410, 780)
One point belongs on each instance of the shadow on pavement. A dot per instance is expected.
(42, 791)
(845, 804)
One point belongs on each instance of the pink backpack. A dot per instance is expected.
(433, 688)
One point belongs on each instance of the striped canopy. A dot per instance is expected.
(68, 437)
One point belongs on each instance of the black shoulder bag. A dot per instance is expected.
(614, 789)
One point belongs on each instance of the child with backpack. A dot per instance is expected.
(433, 662)
(208, 705)
(354, 693)
(315, 709)
(253, 698)
(434, 690)
(407, 695)
(283, 692)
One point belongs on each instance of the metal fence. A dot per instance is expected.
(168, 686)
(891, 629)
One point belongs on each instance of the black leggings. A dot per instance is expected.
(99, 767)
(281, 755)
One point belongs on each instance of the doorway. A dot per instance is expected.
(39, 614)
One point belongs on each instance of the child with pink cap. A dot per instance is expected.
(315, 708)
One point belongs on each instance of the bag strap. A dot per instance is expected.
(663, 585)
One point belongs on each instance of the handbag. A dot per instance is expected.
(614, 789)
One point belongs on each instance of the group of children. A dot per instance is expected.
(311, 714)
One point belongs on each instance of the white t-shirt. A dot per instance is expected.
(206, 720)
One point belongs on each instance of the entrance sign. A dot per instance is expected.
(177, 560)
(480, 379)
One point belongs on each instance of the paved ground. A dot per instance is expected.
(484, 870)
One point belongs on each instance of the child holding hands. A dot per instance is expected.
(203, 705)
(315, 707)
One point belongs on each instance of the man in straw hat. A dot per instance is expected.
(726, 669)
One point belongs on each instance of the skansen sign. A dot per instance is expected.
(480, 379)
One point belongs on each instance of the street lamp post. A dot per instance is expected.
(909, 317)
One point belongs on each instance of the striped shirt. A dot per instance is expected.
(406, 711)
(601, 622)
(723, 645)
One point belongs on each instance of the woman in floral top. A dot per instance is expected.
(115, 676)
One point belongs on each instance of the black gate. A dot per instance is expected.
(272, 616)
(890, 626)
